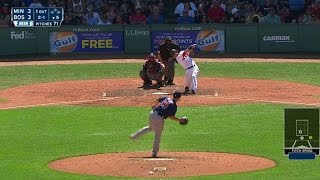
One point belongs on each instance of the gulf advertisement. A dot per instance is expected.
(61, 42)
(207, 40)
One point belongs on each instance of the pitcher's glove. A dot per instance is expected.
(183, 120)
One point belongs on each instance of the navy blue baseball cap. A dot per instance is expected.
(177, 94)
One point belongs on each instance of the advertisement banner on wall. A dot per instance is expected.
(86, 42)
(206, 40)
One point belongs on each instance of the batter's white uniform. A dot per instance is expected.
(191, 70)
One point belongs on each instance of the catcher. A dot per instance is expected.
(163, 108)
(153, 69)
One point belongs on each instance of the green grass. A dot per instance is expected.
(2, 100)
(22, 75)
(33, 137)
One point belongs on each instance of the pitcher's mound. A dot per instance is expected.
(167, 164)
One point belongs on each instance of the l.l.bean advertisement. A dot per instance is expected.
(86, 42)
(207, 40)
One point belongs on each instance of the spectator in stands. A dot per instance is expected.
(162, 8)
(105, 20)
(228, 12)
(84, 21)
(8, 21)
(69, 18)
(223, 5)
(119, 20)
(62, 3)
(96, 4)
(92, 18)
(144, 8)
(127, 3)
(207, 5)
(264, 9)
(181, 6)
(271, 18)
(138, 17)
(204, 19)
(77, 5)
(236, 16)
(125, 12)
(308, 17)
(4, 11)
(112, 13)
(244, 9)
(5, 21)
(187, 8)
(316, 8)
(78, 13)
(253, 16)
(234, 3)
(106, 8)
(216, 13)
(200, 13)
(185, 19)
(36, 4)
(155, 17)
(283, 3)
(284, 14)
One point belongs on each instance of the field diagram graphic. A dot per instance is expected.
(301, 132)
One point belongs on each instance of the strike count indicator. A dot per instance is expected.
(301, 133)
(31, 17)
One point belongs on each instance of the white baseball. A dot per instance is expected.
(150, 172)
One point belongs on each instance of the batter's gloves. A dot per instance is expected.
(183, 120)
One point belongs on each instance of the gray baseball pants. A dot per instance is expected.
(156, 123)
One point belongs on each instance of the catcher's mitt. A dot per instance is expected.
(184, 120)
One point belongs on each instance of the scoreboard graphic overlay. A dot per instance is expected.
(33, 17)
(301, 133)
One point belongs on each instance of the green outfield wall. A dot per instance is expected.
(210, 38)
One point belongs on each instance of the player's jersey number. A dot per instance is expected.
(164, 104)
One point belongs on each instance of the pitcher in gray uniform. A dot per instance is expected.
(164, 108)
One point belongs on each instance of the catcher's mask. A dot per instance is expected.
(151, 56)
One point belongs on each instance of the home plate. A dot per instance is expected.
(160, 93)
(158, 159)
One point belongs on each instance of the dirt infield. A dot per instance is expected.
(169, 164)
(127, 92)
(212, 91)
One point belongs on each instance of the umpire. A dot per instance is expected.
(165, 51)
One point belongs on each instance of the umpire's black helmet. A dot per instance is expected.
(177, 94)
(173, 51)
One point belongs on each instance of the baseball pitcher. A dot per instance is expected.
(164, 108)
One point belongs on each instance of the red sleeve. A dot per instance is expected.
(210, 13)
(184, 54)
(144, 18)
(221, 14)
